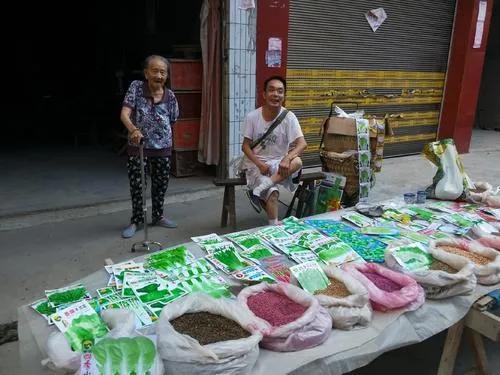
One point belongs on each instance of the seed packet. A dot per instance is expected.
(208, 239)
(357, 219)
(423, 213)
(288, 245)
(214, 285)
(462, 220)
(310, 276)
(67, 295)
(109, 268)
(333, 251)
(364, 159)
(413, 257)
(364, 175)
(170, 258)
(278, 267)
(149, 288)
(364, 191)
(306, 237)
(233, 236)
(228, 260)
(380, 231)
(81, 325)
(415, 236)
(106, 291)
(199, 267)
(304, 256)
(258, 252)
(253, 274)
(43, 307)
(293, 225)
(119, 272)
(273, 232)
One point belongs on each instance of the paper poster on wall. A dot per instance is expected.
(376, 17)
(247, 4)
(274, 44)
(273, 58)
(481, 16)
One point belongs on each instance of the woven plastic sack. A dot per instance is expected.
(411, 295)
(440, 284)
(487, 274)
(311, 329)
(62, 360)
(183, 354)
(490, 241)
(349, 311)
(484, 193)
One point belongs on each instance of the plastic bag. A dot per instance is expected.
(411, 295)
(439, 284)
(450, 181)
(63, 360)
(483, 192)
(349, 311)
(183, 354)
(487, 274)
(311, 329)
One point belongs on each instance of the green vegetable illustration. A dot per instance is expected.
(45, 309)
(259, 253)
(167, 259)
(230, 259)
(152, 293)
(249, 241)
(83, 331)
(67, 296)
(124, 356)
(363, 144)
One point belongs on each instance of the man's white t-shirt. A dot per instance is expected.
(276, 144)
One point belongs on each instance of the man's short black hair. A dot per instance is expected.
(278, 78)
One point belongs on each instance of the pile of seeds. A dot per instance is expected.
(277, 309)
(382, 282)
(437, 265)
(476, 258)
(336, 289)
(208, 328)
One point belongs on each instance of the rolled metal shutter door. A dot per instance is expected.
(397, 71)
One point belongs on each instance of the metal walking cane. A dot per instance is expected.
(144, 245)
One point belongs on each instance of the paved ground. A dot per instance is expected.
(48, 249)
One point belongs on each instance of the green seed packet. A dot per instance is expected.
(258, 252)
(415, 236)
(310, 276)
(273, 232)
(253, 274)
(228, 260)
(358, 219)
(293, 225)
(213, 285)
(124, 356)
(333, 251)
(81, 325)
(208, 239)
(423, 213)
(106, 291)
(413, 257)
(150, 288)
(235, 235)
(246, 242)
(67, 295)
(304, 256)
(287, 245)
(210, 249)
(43, 307)
(167, 259)
(199, 267)
(380, 231)
(120, 269)
(307, 237)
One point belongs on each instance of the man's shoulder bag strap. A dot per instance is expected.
(273, 126)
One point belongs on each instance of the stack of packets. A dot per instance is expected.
(364, 158)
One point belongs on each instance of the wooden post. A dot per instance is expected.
(451, 345)
(223, 219)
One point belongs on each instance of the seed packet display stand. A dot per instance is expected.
(344, 351)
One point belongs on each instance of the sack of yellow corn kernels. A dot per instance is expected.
(485, 260)
(346, 299)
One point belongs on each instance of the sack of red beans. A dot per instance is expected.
(490, 241)
(388, 289)
(446, 277)
(294, 318)
(220, 337)
(346, 299)
(485, 260)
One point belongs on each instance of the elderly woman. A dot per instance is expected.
(149, 110)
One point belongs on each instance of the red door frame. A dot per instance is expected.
(463, 77)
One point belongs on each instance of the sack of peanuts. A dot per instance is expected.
(485, 260)
(346, 299)
(199, 334)
(443, 276)
(387, 289)
(294, 318)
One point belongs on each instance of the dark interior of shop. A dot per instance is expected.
(74, 61)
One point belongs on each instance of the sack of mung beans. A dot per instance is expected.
(388, 289)
(199, 334)
(485, 261)
(445, 276)
(346, 299)
(294, 318)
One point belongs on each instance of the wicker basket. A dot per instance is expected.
(344, 164)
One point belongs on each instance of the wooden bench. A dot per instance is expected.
(302, 195)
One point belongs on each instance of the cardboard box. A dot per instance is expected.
(341, 135)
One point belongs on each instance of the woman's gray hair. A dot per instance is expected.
(150, 58)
